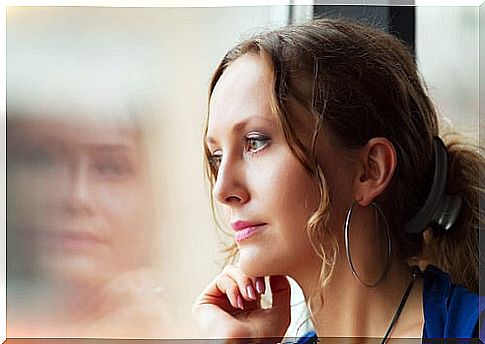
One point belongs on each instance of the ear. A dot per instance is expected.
(378, 161)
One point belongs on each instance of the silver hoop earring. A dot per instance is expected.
(347, 245)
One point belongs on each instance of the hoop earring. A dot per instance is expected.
(347, 245)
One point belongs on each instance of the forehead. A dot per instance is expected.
(73, 133)
(243, 91)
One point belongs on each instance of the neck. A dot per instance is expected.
(352, 310)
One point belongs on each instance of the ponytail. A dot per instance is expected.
(457, 252)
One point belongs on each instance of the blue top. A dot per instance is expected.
(450, 311)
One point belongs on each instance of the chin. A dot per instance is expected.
(82, 271)
(258, 263)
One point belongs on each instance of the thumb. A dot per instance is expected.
(280, 289)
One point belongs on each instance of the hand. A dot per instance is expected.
(230, 307)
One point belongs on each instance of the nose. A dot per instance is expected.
(79, 193)
(230, 187)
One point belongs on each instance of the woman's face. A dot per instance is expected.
(80, 192)
(266, 192)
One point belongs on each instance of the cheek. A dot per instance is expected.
(126, 211)
(285, 196)
(301, 203)
(296, 197)
(33, 196)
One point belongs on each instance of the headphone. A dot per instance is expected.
(440, 210)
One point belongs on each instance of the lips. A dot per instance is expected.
(68, 240)
(246, 229)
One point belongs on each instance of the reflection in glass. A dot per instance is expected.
(80, 228)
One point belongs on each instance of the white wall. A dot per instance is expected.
(448, 58)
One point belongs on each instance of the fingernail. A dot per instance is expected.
(240, 303)
(260, 286)
(251, 293)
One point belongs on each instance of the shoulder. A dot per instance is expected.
(450, 311)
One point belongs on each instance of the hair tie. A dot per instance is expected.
(440, 209)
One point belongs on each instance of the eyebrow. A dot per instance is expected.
(90, 146)
(239, 125)
(107, 147)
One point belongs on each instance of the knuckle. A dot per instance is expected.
(233, 290)
(246, 280)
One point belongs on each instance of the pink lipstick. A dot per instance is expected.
(246, 229)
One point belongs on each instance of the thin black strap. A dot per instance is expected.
(415, 272)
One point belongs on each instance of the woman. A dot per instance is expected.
(78, 189)
(324, 151)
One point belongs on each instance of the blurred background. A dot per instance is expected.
(109, 228)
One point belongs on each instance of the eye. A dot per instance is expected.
(215, 159)
(37, 157)
(112, 169)
(40, 158)
(256, 142)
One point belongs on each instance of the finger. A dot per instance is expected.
(245, 283)
(280, 289)
(228, 286)
(260, 285)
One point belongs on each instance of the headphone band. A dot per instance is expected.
(440, 209)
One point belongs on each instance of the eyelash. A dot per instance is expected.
(215, 158)
(251, 138)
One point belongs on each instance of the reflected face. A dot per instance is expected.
(81, 196)
(267, 194)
